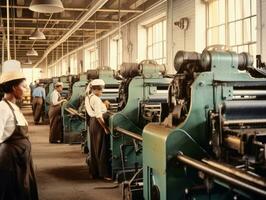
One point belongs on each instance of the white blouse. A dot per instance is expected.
(94, 106)
(55, 98)
(7, 121)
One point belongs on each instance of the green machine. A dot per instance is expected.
(144, 96)
(212, 143)
(46, 82)
(68, 82)
(110, 93)
(73, 111)
(73, 114)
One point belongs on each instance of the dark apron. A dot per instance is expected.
(17, 178)
(99, 150)
(37, 106)
(56, 125)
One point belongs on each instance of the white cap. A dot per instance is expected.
(97, 82)
(58, 84)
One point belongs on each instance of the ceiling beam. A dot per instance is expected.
(62, 20)
(61, 29)
(84, 9)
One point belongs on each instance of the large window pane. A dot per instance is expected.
(238, 9)
(247, 30)
(231, 10)
(239, 38)
(156, 49)
(246, 8)
(221, 10)
(254, 31)
(254, 7)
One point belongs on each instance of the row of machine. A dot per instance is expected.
(197, 134)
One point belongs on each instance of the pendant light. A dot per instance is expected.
(32, 52)
(28, 62)
(37, 34)
(46, 6)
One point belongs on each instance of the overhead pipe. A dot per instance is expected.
(109, 33)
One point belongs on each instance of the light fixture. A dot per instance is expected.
(28, 62)
(37, 35)
(32, 52)
(46, 6)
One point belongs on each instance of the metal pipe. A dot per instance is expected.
(8, 35)
(109, 33)
(63, 20)
(84, 9)
(217, 173)
(129, 133)
(244, 121)
(60, 29)
(237, 172)
(249, 93)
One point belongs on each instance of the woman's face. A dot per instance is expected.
(98, 92)
(59, 89)
(18, 91)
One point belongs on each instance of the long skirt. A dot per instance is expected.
(56, 126)
(37, 106)
(17, 178)
(99, 150)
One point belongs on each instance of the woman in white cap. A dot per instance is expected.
(98, 131)
(17, 179)
(56, 126)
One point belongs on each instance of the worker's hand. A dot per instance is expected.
(63, 100)
(107, 104)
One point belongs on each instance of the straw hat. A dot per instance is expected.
(11, 71)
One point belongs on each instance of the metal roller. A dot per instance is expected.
(253, 109)
(129, 70)
(182, 58)
(92, 74)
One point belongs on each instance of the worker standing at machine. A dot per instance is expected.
(56, 129)
(98, 131)
(17, 179)
(38, 95)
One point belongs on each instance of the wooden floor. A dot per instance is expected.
(61, 171)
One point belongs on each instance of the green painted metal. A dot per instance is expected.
(141, 88)
(161, 144)
(73, 125)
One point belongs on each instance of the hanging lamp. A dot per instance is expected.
(37, 35)
(46, 6)
(32, 52)
(28, 62)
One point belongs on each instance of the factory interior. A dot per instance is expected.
(133, 100)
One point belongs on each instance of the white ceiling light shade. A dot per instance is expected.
(28, 62)
(37, 35)
(46, 6)
(32, 52)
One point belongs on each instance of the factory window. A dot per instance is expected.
(115, 52)
(90, 58)
(73, 64)
(156, 41)
(233, 23)
(65, 66)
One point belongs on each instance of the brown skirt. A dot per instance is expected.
(56, 129)
(37, 107)
(99, 150)
(17, 178)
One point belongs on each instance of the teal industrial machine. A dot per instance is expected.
(110, 93)
(73, 111)
(144, 95)
(212, 143)
(73, 114)
(68, 82)
(46, 82)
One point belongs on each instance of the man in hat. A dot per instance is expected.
(38, 100)
(98, 131)
(16, 169)
(56, 125)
